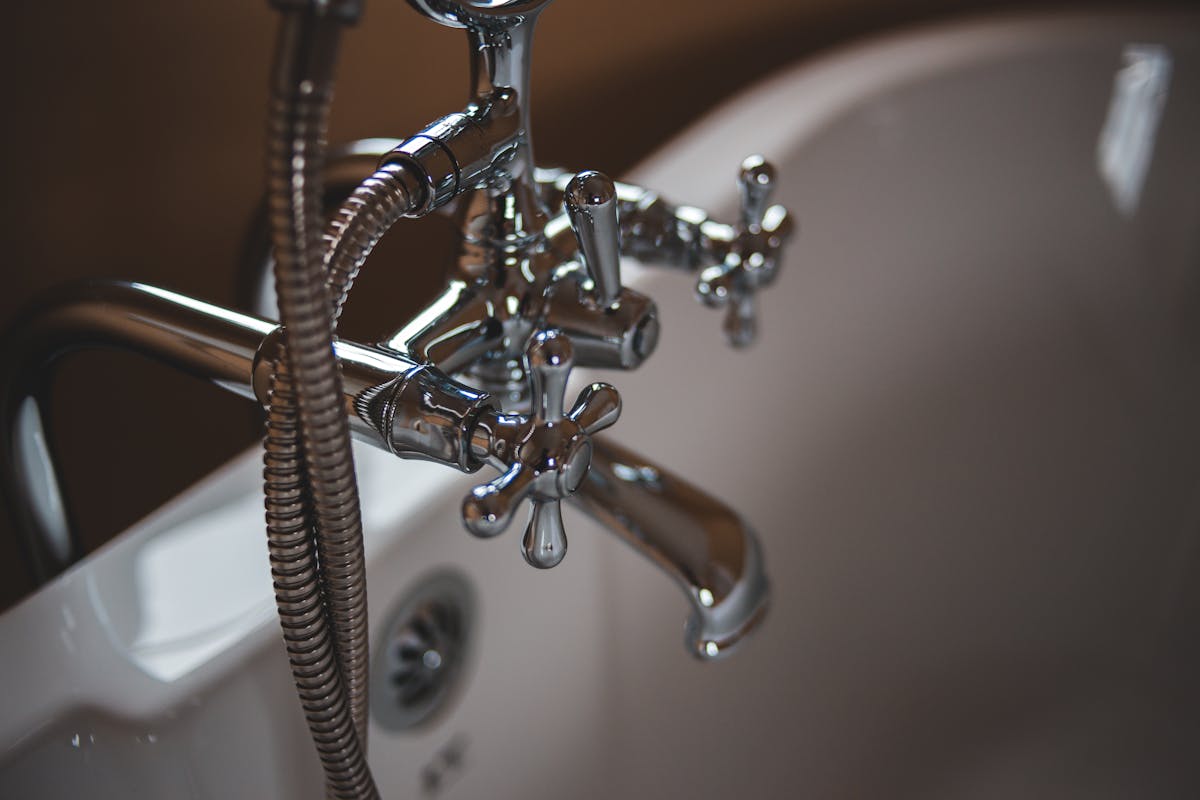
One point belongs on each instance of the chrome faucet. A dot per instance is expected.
(539, 254)
(479, 376)
(535, 290)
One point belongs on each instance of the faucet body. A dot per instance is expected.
(477, 377)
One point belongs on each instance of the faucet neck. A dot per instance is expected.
(509, 208)
(500, 59)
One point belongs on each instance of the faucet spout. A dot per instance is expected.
(700, 542)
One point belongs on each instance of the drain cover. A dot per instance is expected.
(419, 659)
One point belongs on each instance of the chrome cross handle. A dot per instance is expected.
(543, 456)
(753, 258)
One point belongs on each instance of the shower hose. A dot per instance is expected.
(314, 523)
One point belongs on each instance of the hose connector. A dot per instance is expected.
(460, 151)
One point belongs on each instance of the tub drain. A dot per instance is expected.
(419, 660)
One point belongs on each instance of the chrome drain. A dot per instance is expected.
(417, 663)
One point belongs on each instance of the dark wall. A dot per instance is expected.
(132, 147)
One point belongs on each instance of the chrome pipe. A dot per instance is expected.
(199, 338)
(409, 409)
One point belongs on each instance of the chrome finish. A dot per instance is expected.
(545, 457)
(407, 408)
(534, 290)
(732, 262)
(411, 410)
(455, 330)
(348, 165)
(500, 296)
(755, 182)
(481, 13)
(591, 203)
(507, 284)
(697, 540)
(521, 268)
(414, 411)
(463, 151)
(312, 514)
(621, 337)
(752, 261)
(495, 303)
(199, 338)
(504, 202)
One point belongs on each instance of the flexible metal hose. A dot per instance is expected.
(355, 229)
(351, 234)
(359, 224)
(302, 603)
(309, 480)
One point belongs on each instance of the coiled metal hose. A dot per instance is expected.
(302, 604)
(353, 232)
(314, 527)
(360, 223)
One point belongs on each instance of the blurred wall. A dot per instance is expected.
(132, 147)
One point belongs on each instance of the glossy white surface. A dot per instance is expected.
(969, 438)
(135, 677)
(970, 435)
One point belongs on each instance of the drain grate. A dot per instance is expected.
(421, 656)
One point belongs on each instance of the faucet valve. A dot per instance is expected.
(591, 202)
(544, 456)
(753, 258)
(611, 326)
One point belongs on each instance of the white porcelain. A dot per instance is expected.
(969, 438)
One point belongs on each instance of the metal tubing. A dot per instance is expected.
(313, 518)
(391, 401)
(199, 338)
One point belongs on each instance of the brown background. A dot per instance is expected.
(132, 147)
